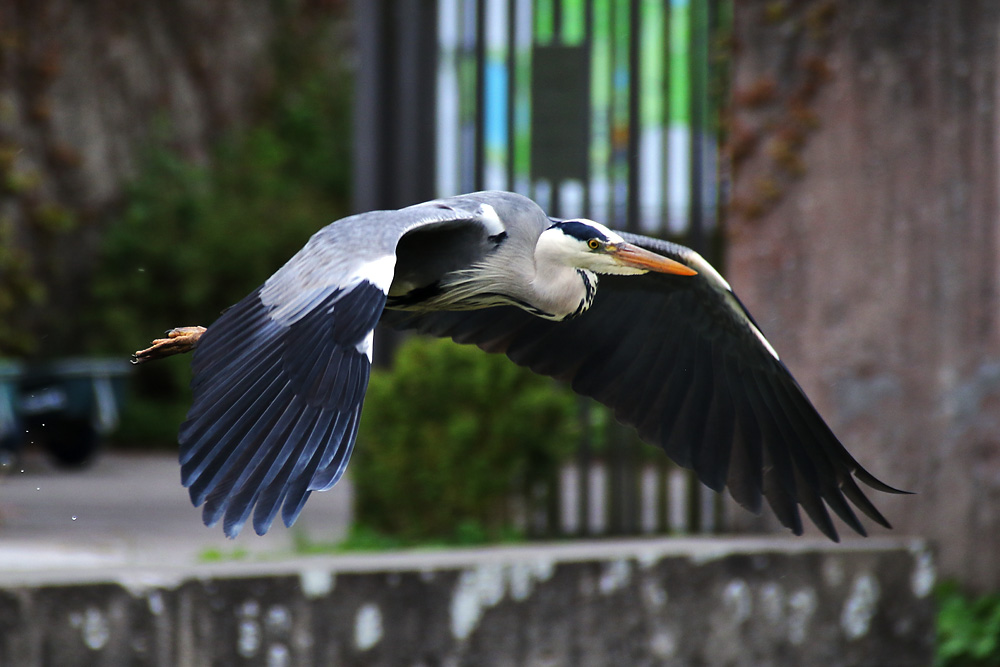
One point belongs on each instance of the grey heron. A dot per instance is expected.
(646, 327)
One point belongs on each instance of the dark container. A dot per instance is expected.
(70, 405)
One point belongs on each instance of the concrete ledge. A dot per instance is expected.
(638, 602)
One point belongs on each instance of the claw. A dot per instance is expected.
(177, 341)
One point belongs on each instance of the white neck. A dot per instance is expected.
(557, 287)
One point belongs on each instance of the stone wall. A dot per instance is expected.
(671, 602)
(864, 238)
(84, 89)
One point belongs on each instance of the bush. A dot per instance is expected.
(968, 628)
(449, 435)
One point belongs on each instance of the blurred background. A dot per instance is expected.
(837, 160)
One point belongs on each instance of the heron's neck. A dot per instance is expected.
(562, 291)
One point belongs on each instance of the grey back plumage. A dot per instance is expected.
(429, 240)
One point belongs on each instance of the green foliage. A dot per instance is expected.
(193, 238)
(968, 628)
(213, 555)
(448, 436)
(157, 402)
(18, 286)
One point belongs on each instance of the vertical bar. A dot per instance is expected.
(678, 133)
(693, 500)
(553, 504)
(619, 170)
(601, 96)
(585, 454)
(543, 28)
(584, 462)
(480, 104)
(369, 112)
(697, 62)
(572, 25)
(522, 105)
(468, 110)
(665, 92)
(634, 126)
(410, 151)
(719, 512)
(585, 458)
(678, 493)
(662, 494)
(651, 117)
(496, 92)
(588, 38)
(628, 470)
(717, 72)
(448, 116)
(613, 443)
(403, 151)
(511, 92)
(614, 465)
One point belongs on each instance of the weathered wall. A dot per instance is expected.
(670, 602)
(865, 240)
(83, 88)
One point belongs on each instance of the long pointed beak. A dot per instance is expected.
(639, 258)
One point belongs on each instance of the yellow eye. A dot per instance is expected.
(593, 244)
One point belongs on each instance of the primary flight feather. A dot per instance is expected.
(644, 326)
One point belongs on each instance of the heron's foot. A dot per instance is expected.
(178, 341)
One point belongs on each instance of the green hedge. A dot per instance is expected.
(449, 436)
(968, 628)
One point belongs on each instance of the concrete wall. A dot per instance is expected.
(865, 238)
(670, 602)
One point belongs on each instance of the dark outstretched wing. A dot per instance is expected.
(681, 360)
(279, 379)
(276, 408)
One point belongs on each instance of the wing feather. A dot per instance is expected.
(306, 377)
(681, 360)
(279, 378)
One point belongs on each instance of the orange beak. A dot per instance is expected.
(636, 257)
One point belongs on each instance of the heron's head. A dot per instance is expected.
(585, 244)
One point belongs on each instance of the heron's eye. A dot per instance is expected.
(593, 244)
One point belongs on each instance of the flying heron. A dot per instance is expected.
(644, 326)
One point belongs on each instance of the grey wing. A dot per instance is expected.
(279, 378)
(681, 360)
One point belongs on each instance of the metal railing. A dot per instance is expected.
(595, 108)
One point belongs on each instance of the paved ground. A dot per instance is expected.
(131, 509)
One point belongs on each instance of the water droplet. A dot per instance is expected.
(74, 517)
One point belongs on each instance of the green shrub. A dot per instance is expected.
(449, 435)
(968, 628)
